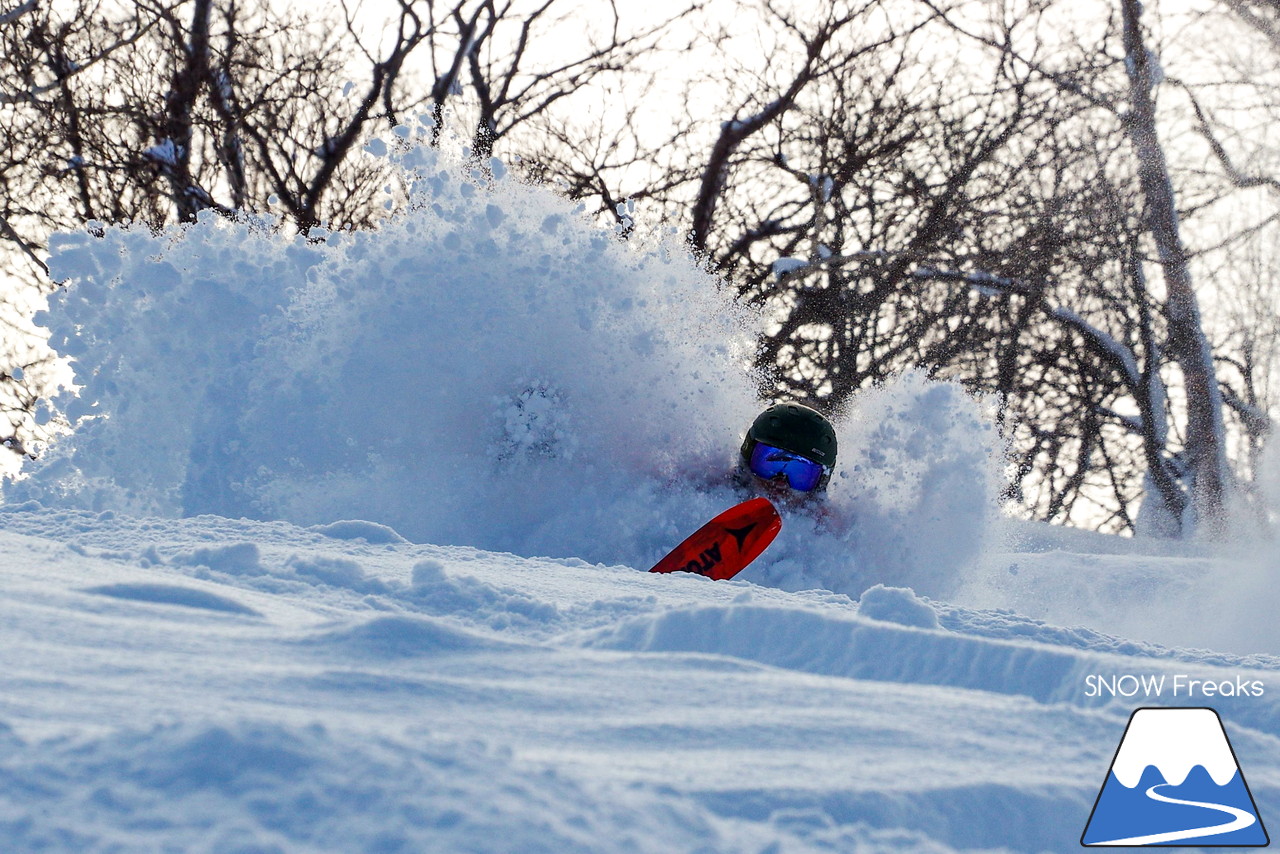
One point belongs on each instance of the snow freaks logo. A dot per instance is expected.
(1175, 781)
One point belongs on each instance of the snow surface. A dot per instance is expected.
(345, 554)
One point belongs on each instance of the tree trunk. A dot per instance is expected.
(1188, 345)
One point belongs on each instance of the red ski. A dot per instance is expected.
(724, 546)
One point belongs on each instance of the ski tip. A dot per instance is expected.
(725, 546)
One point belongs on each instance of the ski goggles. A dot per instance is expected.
(802, 473)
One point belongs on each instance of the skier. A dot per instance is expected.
(789, 453)
(787, 457)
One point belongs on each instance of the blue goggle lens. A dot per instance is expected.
(802, 473)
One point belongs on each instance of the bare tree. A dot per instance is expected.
(1262, 15)
(1187, 342)
(1009, 220)
(154, 110)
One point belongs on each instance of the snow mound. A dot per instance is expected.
(335, 572)
(854, 647)
(400, 636)
(897, 605)
(435, 591)
(233, 558)
(354, 529)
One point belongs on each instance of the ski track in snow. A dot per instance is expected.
(223, 685)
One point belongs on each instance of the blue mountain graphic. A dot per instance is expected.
(1123, 813)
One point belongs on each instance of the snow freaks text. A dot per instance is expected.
(1178, 685)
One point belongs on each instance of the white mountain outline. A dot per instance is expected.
(1174, 740)
(1160, 740)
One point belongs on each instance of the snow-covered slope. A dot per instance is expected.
(345, 554)
(218, 685)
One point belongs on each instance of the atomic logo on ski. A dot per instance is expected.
(1175, 781)
(721, 548)
(705, 562)
(740, 534)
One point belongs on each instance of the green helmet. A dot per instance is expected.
(796, 428)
